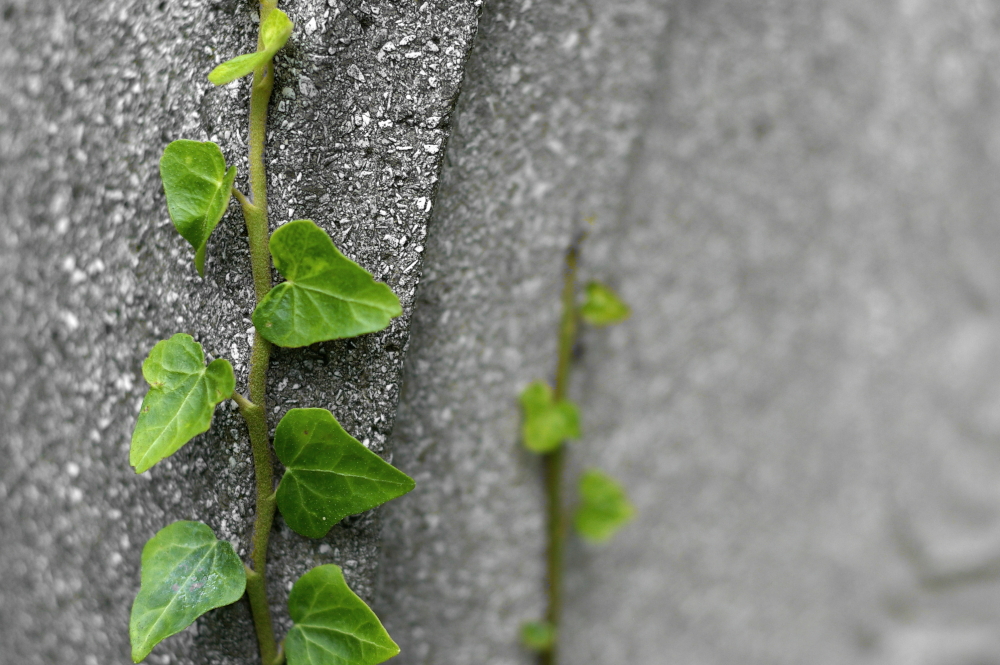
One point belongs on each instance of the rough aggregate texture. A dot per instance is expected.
(92, 274)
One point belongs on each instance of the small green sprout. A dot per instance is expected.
(274, 33)
(537, 635)
(549, 420)
(602, 306)
(604, 507)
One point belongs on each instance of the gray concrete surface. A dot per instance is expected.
(798, 198)
(92, 275)
(554, 99)
(805, 404)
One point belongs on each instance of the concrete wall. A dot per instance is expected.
(805, 403)
(797, 198)
(92, 274)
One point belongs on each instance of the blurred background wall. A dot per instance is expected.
(799, 200)
(797, 197)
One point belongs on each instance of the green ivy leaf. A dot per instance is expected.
(326, 295)
(332, 625)
(274, 33)
(328, 473)
(186, 572)
(538, 635)
(604, 507)
(198, 188)
(183, 395)
(547, 423)
(602, 306)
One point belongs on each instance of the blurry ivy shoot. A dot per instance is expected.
(186, 570)
(549, 421)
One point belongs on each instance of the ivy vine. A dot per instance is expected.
(186, 570)
(550, 419)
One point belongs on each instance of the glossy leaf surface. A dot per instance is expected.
(198, 188)
(332, 625)
(604, 507)
(186, 572)
(182, 397)
(274, 33)
(326, 295)
(329, 474)
(547, 423)
(537, 635)
(602, 306)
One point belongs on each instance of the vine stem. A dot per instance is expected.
(254, 409)
(555, 462)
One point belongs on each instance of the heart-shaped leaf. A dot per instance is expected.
(182, 397)
(326, 295)
(604, 507)
(328, 473)
(186, 572)
(332, 625)
(198, 188)
(602, 306)
(274, 33)
(547, 423)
